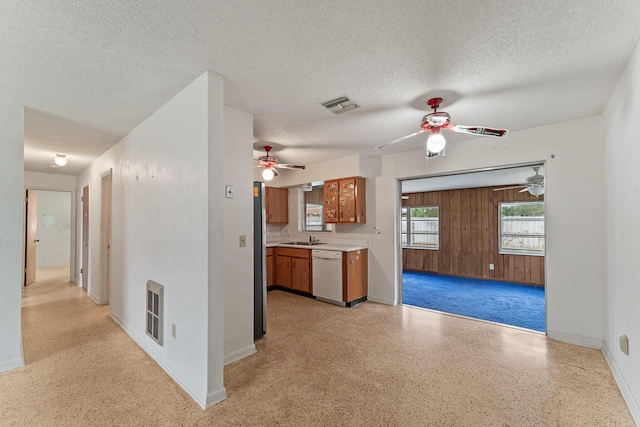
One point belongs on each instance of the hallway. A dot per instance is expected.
(319, 364)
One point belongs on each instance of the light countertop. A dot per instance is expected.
(323, 246)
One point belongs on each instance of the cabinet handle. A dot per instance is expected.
(270, 216)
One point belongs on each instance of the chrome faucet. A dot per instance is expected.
(313, 240)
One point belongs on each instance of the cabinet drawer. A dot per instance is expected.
(292, 252)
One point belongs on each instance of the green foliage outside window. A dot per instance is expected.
(523, 209)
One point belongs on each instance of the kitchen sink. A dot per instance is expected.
(303, 243)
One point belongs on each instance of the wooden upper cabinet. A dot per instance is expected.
(277, 205)
(345, 201)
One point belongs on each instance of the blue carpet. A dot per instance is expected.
(508, 303)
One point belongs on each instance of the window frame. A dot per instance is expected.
(408, 233)
(529, 252)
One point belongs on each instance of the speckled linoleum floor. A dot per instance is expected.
(372, 365)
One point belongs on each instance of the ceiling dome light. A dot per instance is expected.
(436, 142)
(267, 174)
(60, 159)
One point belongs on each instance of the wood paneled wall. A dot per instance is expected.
(469, 237)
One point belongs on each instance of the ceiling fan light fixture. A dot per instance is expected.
(267, 174)
(60, 159)
(536, 190)
(436, 142)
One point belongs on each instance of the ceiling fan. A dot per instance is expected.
(268, 162)
(438, 120)
(534, 184)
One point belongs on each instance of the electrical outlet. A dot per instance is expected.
(173, 330)
(624, 344)
(491, 267)
(243, 241)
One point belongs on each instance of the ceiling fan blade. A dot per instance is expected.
(478, 130)
(511, 188)
(524, 190)
(395, 141)
(275, 171)
(290, 166)
(430, 154)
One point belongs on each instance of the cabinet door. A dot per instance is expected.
(347, 200)
(271, 276)
(283, 271)
(361, 201)
(331, 204)
(300, 275)
(355, 275)
(277, 205)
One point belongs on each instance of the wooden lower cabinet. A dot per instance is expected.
(293, 269)
(271, 270)
(301, 275)
(355, 275)
(283, 271)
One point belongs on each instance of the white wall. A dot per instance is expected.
(162, 229)
(238, 220)
(54, 228)
(57, 182)
(11, 237)
(575, 271)
(622, 205)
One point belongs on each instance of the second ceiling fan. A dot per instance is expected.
(437, 121)
(533, 184)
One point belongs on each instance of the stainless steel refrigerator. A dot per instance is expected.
(259, 261)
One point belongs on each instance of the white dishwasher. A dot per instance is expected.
(327, 276)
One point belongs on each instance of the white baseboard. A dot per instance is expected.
(575, 339)
(632, 404)
(94, 298)
(77, 283)
(7, 365)
(195, 391)
(216, 397)
(236, 355)
(386, 301)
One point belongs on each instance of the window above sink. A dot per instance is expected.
(311, 212)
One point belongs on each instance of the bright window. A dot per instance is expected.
(313, 209)
(522, 228)
(420, 227)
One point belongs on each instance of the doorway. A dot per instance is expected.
(84, 268)
(469, 245)
(48, 233)
(105, 236)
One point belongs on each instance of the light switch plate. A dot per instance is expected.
(228, 192)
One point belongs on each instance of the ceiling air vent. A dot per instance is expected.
(340, 105)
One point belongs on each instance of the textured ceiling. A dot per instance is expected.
(487, 178)
(89, 72)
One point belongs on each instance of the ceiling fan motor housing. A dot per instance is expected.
(436, 121)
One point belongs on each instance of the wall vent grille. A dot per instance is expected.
(340, 105)
(155, 302)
